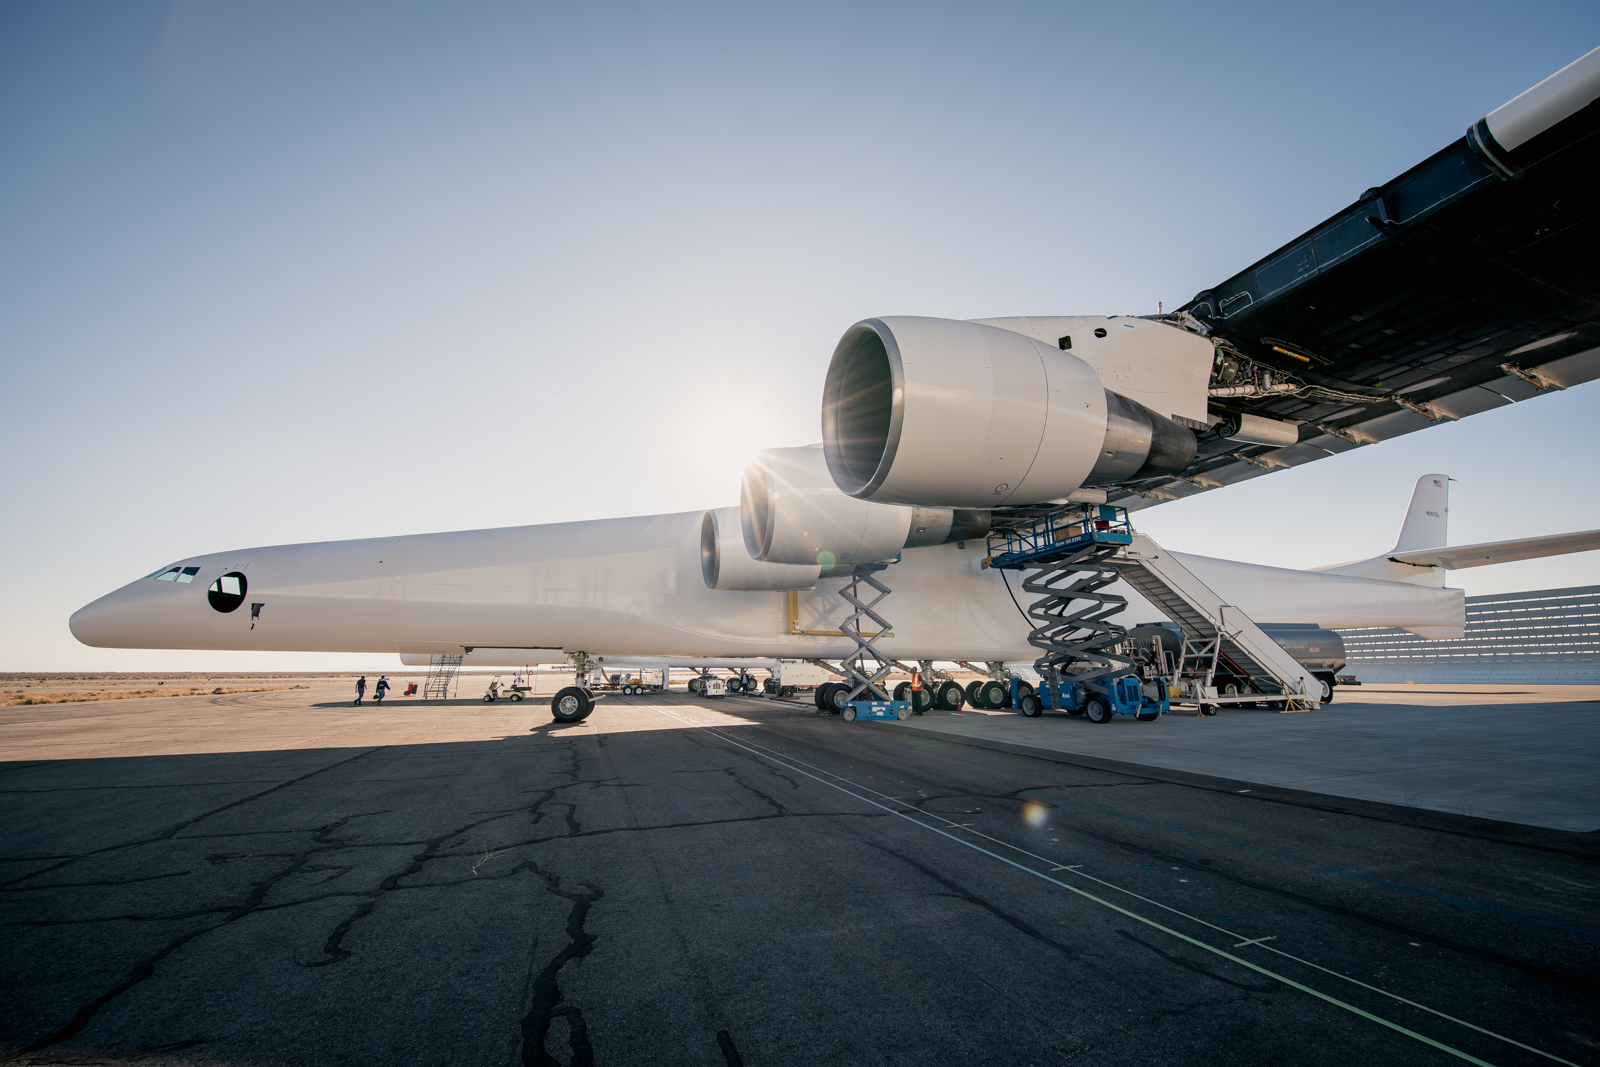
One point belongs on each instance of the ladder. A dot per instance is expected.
(441, 672)
(1204, 619)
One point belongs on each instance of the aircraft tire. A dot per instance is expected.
(571, 705)
(820, 695)
(1096, 710)
(921, 701)
(972, 695)
(995, 694)
(951, 697)
(901, 690)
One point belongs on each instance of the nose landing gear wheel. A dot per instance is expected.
(571, 705)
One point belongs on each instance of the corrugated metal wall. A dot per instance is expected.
(1545, 635)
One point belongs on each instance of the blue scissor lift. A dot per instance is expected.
(1062, 555)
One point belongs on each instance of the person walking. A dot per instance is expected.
(361, 689)
(381, 688)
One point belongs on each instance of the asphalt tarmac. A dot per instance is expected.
(280, 878)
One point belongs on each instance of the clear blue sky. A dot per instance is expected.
(294, 272)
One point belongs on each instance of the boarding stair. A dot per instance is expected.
(1206, 621)
(1070, 555)
(441, 674)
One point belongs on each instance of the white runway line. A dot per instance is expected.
(1258, 943)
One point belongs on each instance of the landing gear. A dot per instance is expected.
(921, 701)
(950, 697)
(971, 693)
(994, 695)
(571, 704)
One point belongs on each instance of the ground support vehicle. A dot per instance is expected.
(1099, 701)
(517, 691)
(649, 680)
(851, 710)
(793, 676)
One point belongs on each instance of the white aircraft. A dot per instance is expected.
(1453, 289)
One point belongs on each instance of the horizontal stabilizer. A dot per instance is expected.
(1500, 551)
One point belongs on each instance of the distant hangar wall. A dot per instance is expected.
(1549, 636)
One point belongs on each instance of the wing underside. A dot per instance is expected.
(1468, 283)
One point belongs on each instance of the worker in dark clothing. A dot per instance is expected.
(381, 688)
(361, 689)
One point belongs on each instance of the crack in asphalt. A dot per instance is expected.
(545, 1004)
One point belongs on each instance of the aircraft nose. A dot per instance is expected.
(95, 623)
(130, 617)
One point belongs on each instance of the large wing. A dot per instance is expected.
(1469, 282)
(1458, 556)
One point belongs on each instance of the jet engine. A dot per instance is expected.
(968, 415)
(792, 512)
(726, 564)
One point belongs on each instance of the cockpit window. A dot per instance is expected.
(227, 592)
(181, 575)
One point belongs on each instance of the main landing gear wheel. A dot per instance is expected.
(571, 705)
(921, 701)
(1031, 706)
(820, 695)
(1095, 709)
(995, 694)
(901, 690)
(950, 696)
(1327, 687)
(971, 693)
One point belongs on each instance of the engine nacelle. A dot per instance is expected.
(965, 414)
(792, 512)
(726, 564)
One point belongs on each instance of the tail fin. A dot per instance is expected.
(1427, 520)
